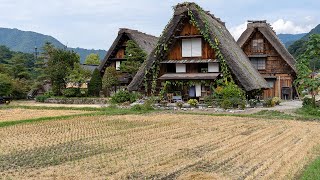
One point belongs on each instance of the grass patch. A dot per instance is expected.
(265, 114)
(309, 113)
(312, 171)
(105, 112)
(272, 115)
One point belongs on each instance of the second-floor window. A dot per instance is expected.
(258, 63)
(192, 47)
(257, 45)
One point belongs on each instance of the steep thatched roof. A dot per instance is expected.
(238, 62)
(145, 41)
(267, 31)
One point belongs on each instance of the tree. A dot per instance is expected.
(306, 79)
(110, 79)
(6, 85)
(92, 59)
(5, 54)
(59, 66)
(78, 75)
(135, 57)
(95, 84)
(17, 67)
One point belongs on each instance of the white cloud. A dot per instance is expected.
(238, 30)
(281, 26)
(289, 27)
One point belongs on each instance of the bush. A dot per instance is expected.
(71, 92)
(179, 104)
(269, 103)
(95, 84)
(42, 98)
(276, 101)
(308, 102)
(231, 96)
(124, 96)
(210, 100)
(253, 103)
(193, 102)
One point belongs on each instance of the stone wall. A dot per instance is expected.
(76, 100)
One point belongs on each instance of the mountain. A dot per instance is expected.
(289, 39)
(26, 41)
(299, 46)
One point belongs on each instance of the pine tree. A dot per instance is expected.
(95, 84)
(135, 57)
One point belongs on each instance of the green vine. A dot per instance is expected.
(205, 32)
(162, 47)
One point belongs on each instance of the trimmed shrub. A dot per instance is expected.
(71, 92)
(231, 97)
(193, 102)
(179, 104)
(123, 96)
(276, 101)
(95, 84)
(269, 103)
(253, 103)
(210, 100)
(42, 98)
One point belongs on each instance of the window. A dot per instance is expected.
(257, 45)
(118, 63)
(259, 63)
(271, 83)
(192, 47)
(213, 67)
(171, 68)
(202, 68)
(181, 68)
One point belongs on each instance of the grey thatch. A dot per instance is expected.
(145, 41)
(267, 31)
(89, 67)
(244, 73)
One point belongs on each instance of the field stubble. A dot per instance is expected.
(158, 146)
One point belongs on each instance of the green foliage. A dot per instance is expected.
(231, 96)
(305, 79)
(276, 101)
(6, 86)
(253, 102)
(269, 103)
(95, 84)
(110, 79)
(42, 98)
(179, 104)
(78, 75)
(24, 41)
(193, 102)
(135, 57)
(210, 100)
(123, 96)
(92, 59)
(60, 64)
(310, 111)
(308, 102)
(312, 171)
(72, 92)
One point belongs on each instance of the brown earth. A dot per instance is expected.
(17, 114)
(158, 146)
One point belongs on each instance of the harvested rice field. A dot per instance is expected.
(17, 114)
(157, 146)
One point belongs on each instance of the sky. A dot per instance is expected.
(93, 24)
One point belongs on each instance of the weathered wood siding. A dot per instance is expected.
(276, 66)
(189, 30)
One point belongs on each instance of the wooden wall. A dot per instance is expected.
(276, 66)
(189, 30)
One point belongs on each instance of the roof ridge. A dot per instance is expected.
(121, 30)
